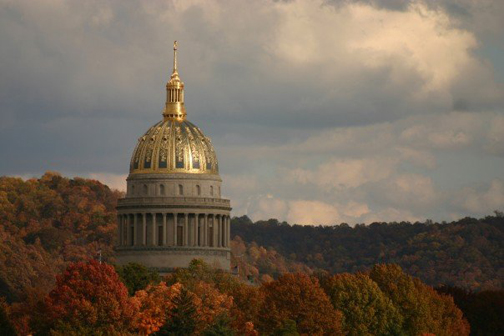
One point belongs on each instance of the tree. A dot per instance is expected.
(483, 310)
(366, 309)
(424, 310)
(137, 277)
(300, 298)
(247, 302)
(220, 327)
(90, 295)
(155, 302)
(6, 326)
(210, 304)
(182, 319)
(288, 328)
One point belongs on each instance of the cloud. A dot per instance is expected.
(312, 213)
(345, 173)
(480, 201)
(362, 110)
(114, 181)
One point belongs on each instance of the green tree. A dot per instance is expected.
(221, 327)
(288, 328)
(137, 277)
(424, 310)
(366, 309)
(182, 319)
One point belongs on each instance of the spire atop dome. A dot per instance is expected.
(175, 57)
(174, 107)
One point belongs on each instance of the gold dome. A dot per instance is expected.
(174, 145)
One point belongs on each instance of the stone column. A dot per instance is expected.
(144, 229)
(154, 230)
(186, 229)
(128, 230)
(219, 225)
(196, 229)
(135, 229)
(175, 228)
(125, 230)
(119, 227)
(224, 231)
(229, 231)
(215, 231)
(164, 228)
(205, 230)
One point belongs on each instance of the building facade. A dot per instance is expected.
(173, 211)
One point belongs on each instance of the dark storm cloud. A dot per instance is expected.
(81, 81)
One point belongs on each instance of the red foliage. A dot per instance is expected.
(91, 295)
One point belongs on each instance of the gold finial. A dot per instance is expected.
(174, 107)
(175, 57)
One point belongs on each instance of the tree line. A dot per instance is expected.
(53, 224)
(93, 298)
(467, 253)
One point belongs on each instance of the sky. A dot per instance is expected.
(321, 112)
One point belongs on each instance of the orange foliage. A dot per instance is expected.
(300, 298)
(245, 310)
(209, 303)
(154, 302)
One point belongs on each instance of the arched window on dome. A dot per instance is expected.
(198, 190)
(145, 189)
(211, 190)
(181, 189)
(161, 189)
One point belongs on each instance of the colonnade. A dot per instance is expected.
(174, 229)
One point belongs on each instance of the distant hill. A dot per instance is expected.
(467, 253)
(48, 222)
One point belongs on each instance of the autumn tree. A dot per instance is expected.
(366, 309)
(423, 309)
(298, 297)
(136, 276)
(483, 310)
(220, 327)
(182, 319)
(90, 296)
(219, 292)
(155, 302)
(247, 302)
(6, 326)
(288, 328)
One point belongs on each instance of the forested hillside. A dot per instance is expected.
(467, 253)
(52, 223)
(48, 222)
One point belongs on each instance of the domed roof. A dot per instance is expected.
(172, 146)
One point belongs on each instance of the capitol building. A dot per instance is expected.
(173, 211)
